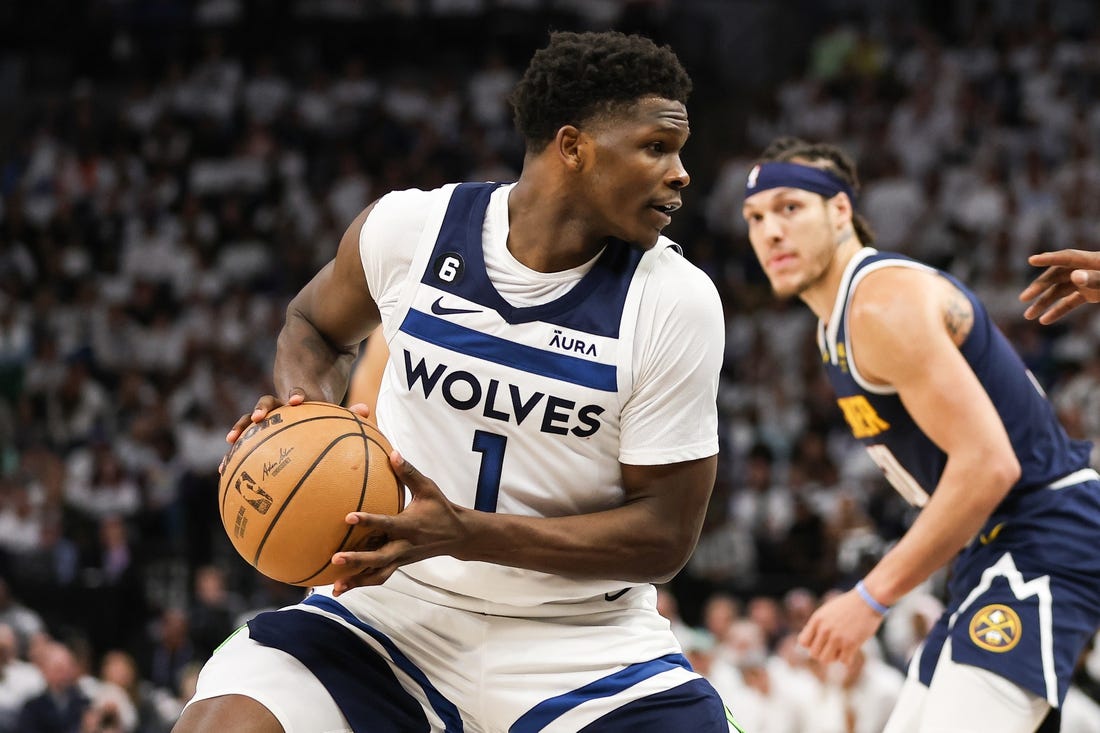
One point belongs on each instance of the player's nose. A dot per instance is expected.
(772, 228)
(678, 176)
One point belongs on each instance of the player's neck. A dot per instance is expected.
(821, 295)
(544, 232)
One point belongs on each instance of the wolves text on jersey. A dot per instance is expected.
(463, 390)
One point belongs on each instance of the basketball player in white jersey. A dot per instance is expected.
(552, 374)
(961, 429)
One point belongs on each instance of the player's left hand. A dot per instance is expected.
(837, 630)
(429, 526)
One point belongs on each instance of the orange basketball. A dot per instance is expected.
(290, 480)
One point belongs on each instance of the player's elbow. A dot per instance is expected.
(668, 556)
(1008, 470)
(1003, 471)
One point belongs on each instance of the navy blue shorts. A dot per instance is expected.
(1024, 596)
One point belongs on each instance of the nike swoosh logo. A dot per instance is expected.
(442, 310)
(615, 596)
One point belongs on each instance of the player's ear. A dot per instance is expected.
(841, 207)
(569, 143)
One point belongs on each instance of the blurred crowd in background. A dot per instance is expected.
(171, 173)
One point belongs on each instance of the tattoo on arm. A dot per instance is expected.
(958, 316)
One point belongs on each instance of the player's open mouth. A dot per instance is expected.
(665, 211)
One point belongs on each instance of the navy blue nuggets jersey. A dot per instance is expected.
(913, 463)
(1024, 594)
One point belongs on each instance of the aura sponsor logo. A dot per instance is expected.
(573, 345)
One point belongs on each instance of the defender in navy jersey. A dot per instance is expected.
(960, 428)
(552, 367)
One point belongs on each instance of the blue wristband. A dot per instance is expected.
(870, 600)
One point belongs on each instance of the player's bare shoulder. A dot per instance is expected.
(958, 312)
(903, 296)
(900, 298)
(894, 314)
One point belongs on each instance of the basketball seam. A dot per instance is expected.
(386, 451)
(337, 413)
(362, 498)
(269, 436)
(290, 496)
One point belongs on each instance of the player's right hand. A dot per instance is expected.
(429, 526)
(264, 405)
(1072, 278)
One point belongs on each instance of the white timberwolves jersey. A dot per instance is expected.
(529, 410)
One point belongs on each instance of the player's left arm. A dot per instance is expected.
(647, 539)
(905, 330)
(366, 375)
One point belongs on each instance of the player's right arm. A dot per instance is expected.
(325, 323)
(1072, 278)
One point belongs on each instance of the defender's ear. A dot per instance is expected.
(841, 207)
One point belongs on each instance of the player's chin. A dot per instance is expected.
(646, 238)
(784, 288)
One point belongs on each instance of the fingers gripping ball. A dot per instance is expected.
(290, 480)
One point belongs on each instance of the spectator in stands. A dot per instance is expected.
(24, 621)
(213, 612)
(155, 709)
(19, 681)
(60, 708)
(168, 649)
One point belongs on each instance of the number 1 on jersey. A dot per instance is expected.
(491, 447)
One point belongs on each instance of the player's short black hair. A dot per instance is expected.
(830, 157)
(579, 76)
